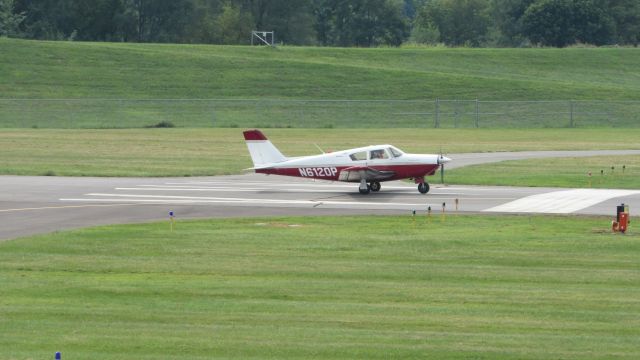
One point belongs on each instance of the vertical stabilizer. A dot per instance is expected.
(261, 149)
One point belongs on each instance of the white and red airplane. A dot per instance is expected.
(368, 165)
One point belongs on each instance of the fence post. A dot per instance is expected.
(456, 113)
(570, 113)
(477, 113)
(437, 113)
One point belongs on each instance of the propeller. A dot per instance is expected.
(441, 161)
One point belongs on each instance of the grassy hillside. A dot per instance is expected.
(35, 69)
(113, 84)
(470, 288)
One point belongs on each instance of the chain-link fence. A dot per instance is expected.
(114, 113)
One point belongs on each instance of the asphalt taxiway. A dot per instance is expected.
(32, 205)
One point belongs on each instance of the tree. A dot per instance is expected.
(98, 20)
(324, 17)
(626, 17)
(507, 20)
(234, 26)
(458, 22)
(360, 22)
(46, 19)
(564, 22)
(9, 20)
(291, 20)
(157, 20)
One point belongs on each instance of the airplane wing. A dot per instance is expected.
(355, 173)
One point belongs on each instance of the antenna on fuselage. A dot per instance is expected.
(319, 148)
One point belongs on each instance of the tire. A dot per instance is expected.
(423, 188)
(375, 186)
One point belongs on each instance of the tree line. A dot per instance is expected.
(363, 23)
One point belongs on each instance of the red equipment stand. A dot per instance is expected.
(622, 219)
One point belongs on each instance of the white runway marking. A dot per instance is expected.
(249, 201)
(561, 202)
(278, 186)
(62, 207)
(227, 189)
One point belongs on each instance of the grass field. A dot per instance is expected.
(315, 114)
(560, 172)
(129, 75)
(510, 287)
(193, 152)
(37, 69)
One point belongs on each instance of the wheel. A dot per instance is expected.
(365, 191)
(375, 186)
(423, 188)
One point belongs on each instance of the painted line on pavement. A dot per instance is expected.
(251, 201)
(63, 207)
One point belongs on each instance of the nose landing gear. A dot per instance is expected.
(364, 187)
(423, 187)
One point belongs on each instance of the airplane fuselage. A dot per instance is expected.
(368, 165)
(330, 166)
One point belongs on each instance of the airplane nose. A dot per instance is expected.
(443, 159)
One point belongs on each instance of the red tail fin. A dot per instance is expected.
(254, 135)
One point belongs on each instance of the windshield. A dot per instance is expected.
(395, 152)
(359, 156)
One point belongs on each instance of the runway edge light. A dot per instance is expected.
(58, 355)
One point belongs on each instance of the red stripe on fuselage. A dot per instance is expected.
(327, 172)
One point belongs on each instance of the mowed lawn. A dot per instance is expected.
(371, 287)
(194, 152)
(63, 70)
(609, 172)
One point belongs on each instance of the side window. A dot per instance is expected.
(359, 156)
(378, 154)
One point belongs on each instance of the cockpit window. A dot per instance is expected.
(359, 156)
(395, 152)
(379, 154)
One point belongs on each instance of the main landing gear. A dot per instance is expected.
(375, 186)
(423, 187)
(366, 188)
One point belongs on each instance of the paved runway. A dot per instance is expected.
(32, 205)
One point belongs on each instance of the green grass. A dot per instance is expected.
(351, 287)
(560, 172)
(318, 114)
(193, 152)
(127, 74)
(37, 69)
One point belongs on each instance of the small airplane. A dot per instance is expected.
(369, 165)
